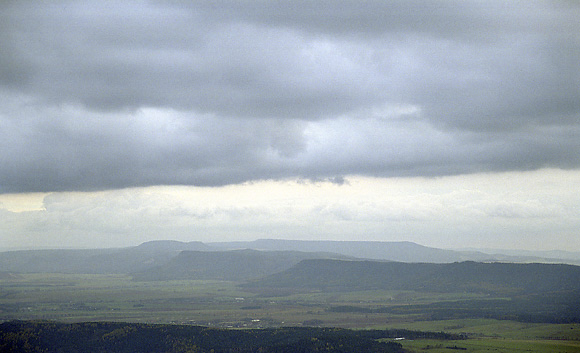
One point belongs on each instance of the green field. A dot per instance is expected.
(492, 345)
(74, 297)
(80, 298)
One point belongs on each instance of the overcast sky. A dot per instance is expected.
(447, 123)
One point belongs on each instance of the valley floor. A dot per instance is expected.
(117, 298)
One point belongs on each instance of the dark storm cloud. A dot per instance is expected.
(107, 95)
(146, 55)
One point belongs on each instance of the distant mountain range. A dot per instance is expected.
(405, 251)
(96, 261)
(554, 255)
(392, 251)
(162, 259)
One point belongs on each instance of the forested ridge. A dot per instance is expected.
(468, 276)
(522, 292)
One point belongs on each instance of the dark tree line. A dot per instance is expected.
(97, 337)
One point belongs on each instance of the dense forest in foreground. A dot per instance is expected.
(95, 337)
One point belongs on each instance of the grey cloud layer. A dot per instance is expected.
(104, 95)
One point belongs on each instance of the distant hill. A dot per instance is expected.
(497, 278)
(95, 261)
(552, 256)
(234, 265)
(403, 251)
(157, 253)
(173, 245)
(394, 251)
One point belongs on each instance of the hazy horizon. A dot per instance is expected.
(497, 251)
